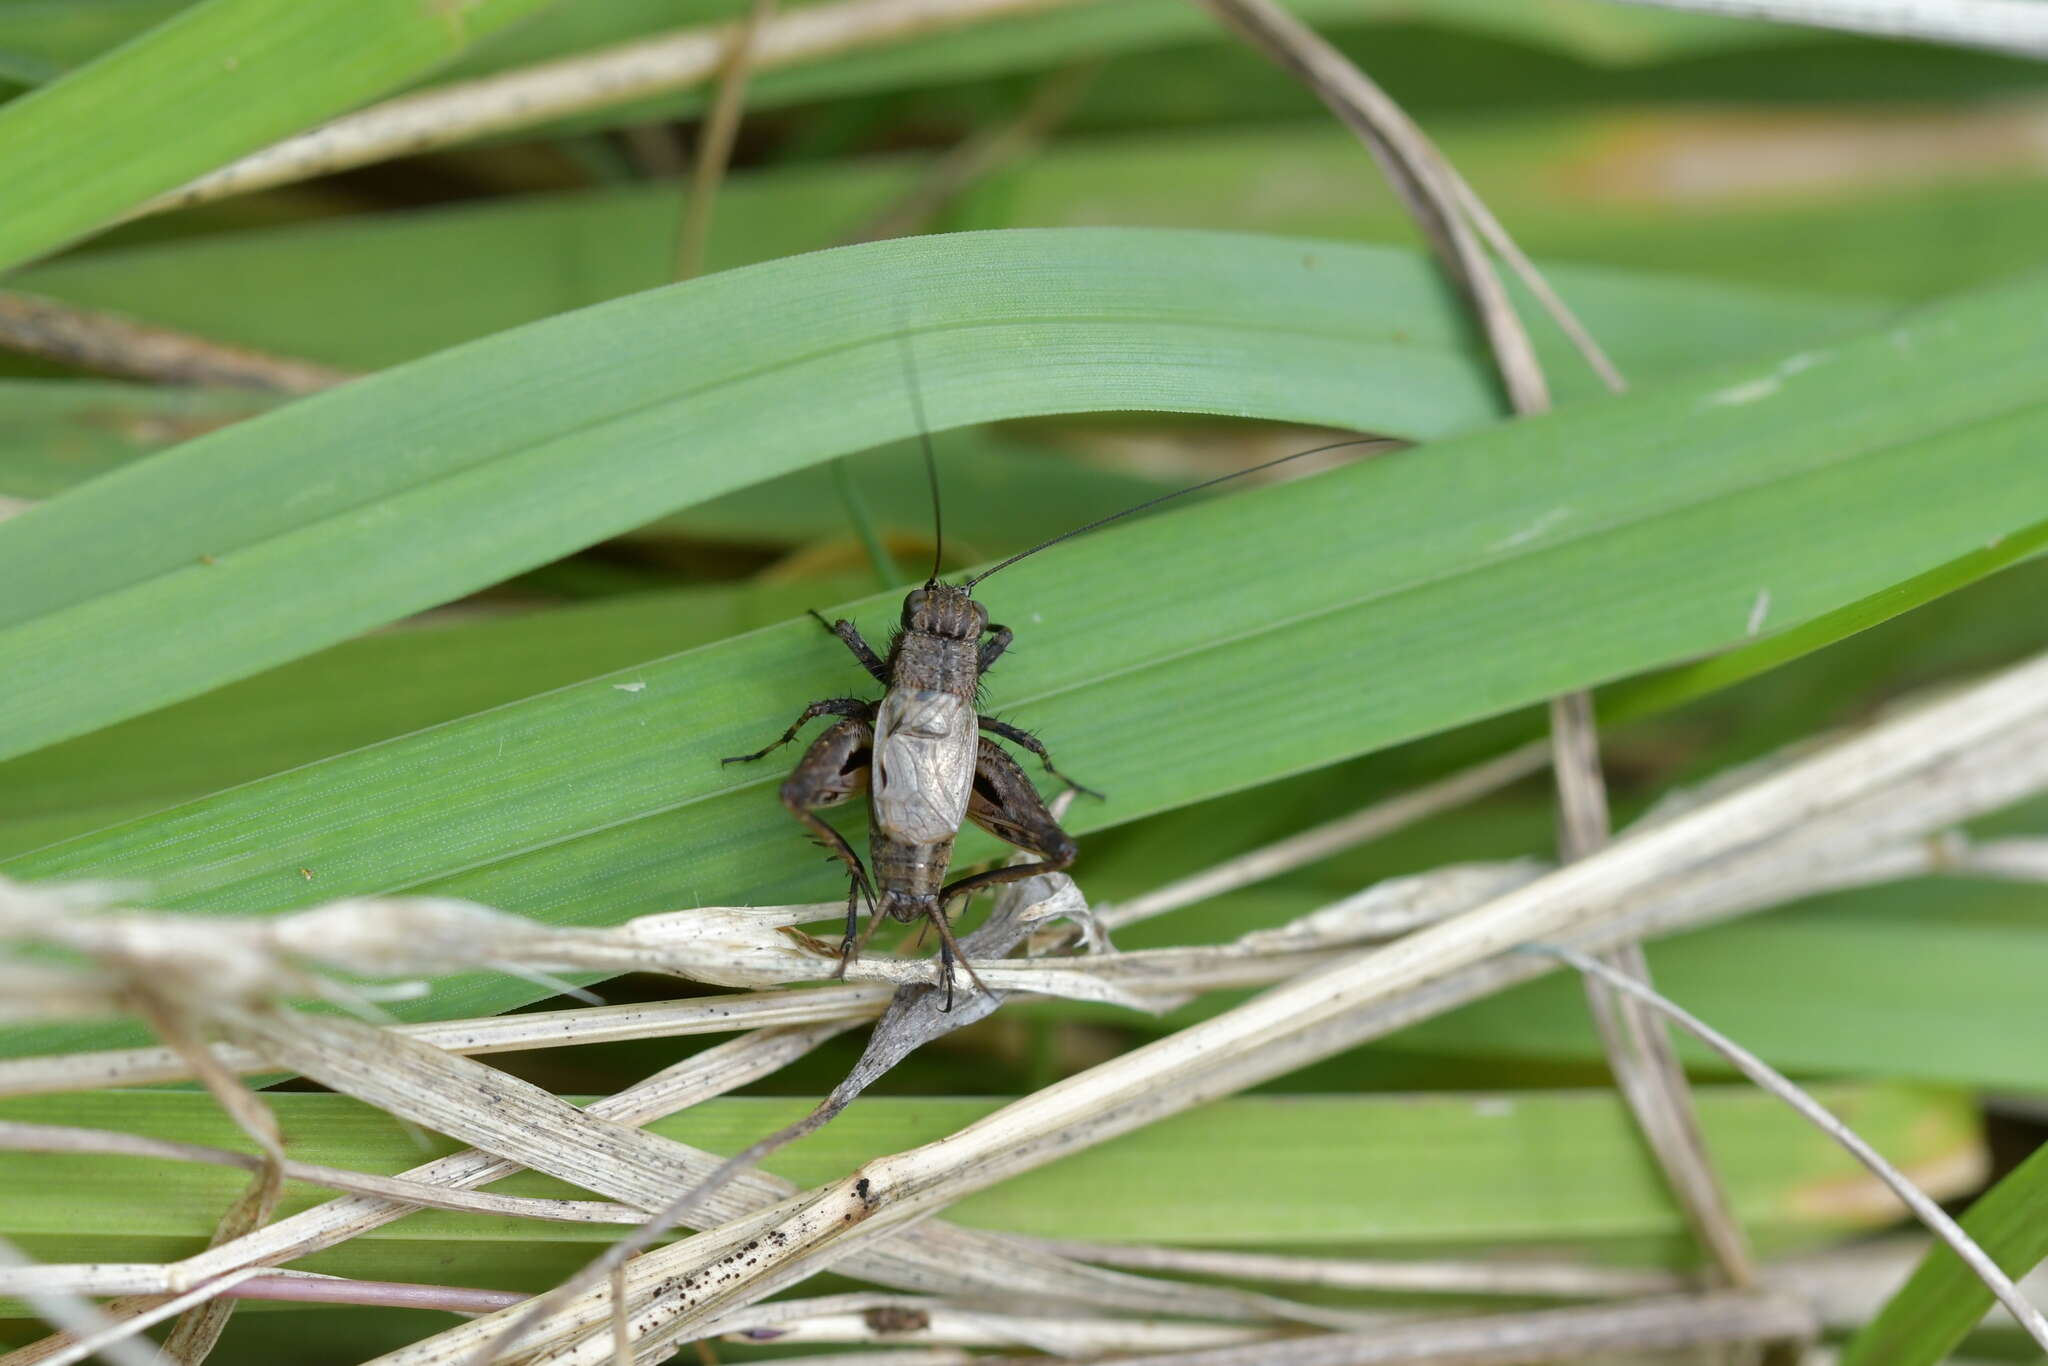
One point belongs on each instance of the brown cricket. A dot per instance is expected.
(925, 751)
(921, 751)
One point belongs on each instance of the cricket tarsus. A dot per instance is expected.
(830, 706)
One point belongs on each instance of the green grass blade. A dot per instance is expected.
(487, 460)
(1271, 632)
(366, 690)
(1474, 1171)
(209, 84)
(1916, 981)
(1005, 492)
(1944, 1300)
(1648, 696)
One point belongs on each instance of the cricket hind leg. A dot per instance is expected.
(1005, 804)
(949, 954)
(1017, 735)
(833, 770)
(830, 706)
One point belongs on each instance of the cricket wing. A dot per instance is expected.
(923, 773)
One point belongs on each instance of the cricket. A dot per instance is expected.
(926, 752)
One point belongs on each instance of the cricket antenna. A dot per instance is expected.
(924, 436)
(1169, 497)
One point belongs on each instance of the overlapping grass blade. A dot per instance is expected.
(230, 76)
(415, 486)
(1284, 628)
(1480, 1171)
(367, 690)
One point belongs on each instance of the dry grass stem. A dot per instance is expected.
(534, 95)
(305, 1287)
(79, 1316)
(110, 344)
(482, 1035)
(2017, 27)
(1644, 1066)
(1847, 1286)
(861, 1318)
(198, 1329)
(1767, 1077)
(1536, 1336)
(1564, 1280)
(1638, 1047)
(982, 155)
(715, 143)
(1415, 169)
(1346, 832)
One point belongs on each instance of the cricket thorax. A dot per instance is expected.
(925, 747)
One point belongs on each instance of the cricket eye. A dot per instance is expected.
(912, 605)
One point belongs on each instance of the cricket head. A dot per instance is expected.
(940, 609)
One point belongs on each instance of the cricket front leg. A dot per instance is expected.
(999, 638)
(1005, 804)
(831, 706)
(833, 770)
(1017, 735)
(850, 636)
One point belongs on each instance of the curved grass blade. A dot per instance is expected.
(418, 485)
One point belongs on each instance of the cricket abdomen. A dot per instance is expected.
(909, 875)
(926, 743)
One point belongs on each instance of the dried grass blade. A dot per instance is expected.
(1537, 1336)
(714, 145)
(2017, 27)
(483, 1035)
(599, 80)
(1767, 1077)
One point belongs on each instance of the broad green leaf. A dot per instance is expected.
(1933, 1311)
(228, 76)
(486, 460)
(1486, 1171)
(1185, 655)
